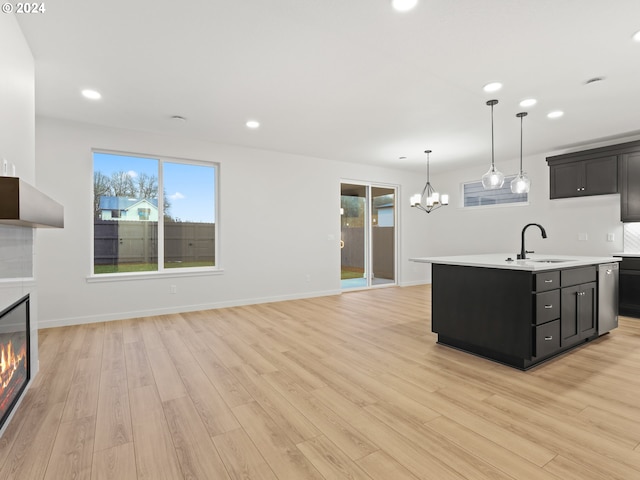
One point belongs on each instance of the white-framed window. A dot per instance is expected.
(153, 214)
(474, 195)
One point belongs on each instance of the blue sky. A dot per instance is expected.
(189, 188)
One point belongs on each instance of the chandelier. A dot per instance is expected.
(429, 199)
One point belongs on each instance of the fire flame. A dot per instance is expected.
(10, 362)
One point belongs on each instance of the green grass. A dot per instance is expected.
(348, 273)
(145, 267)
(125, 268)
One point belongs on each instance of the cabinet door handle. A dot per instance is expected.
(548, 338)
(580, 294)
(548, 281)
(548, 306)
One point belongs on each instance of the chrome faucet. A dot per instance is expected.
(523, 253)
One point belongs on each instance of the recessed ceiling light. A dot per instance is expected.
(253, 124)
(529, 102)
(403, 5)
(492, 87)
(636, 36)
(91, 94)
(555, 114)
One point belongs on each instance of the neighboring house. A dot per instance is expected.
(129, 209)
(385, 215)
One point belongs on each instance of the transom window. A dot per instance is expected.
(153, 213)
(474, 195)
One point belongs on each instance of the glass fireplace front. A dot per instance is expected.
(14, 355)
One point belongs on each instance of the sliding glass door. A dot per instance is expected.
(368, 235)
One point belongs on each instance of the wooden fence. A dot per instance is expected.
(118, 242)
(352, 253)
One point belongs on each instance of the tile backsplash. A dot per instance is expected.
(16, 252)
(632, 238)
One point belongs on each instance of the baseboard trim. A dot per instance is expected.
(65, 322)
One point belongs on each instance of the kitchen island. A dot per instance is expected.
(517, 312)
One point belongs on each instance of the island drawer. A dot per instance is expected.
(547, 306)
(547, 339)
(547, 281)
(575, 276)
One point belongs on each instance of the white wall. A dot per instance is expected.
(277, 214)
(17, 145)
(17, 114)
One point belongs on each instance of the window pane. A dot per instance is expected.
(125, 205)
(475, 195)
(189, 215)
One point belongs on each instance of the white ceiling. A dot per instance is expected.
(350, 80)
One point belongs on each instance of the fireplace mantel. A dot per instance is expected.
(23, 205)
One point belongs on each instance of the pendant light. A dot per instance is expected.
(429, 199)
(493, 178)
(521, 183)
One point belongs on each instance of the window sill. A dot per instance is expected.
(499, 205)
(21, 281)
(123, 277)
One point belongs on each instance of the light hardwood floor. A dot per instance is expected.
(351, 386)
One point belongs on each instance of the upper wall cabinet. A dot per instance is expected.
(611, 169)
(629, 180)
(580, 177)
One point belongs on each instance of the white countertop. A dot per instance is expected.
(499, 260)
(631, 254)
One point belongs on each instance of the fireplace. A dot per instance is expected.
(14, 355)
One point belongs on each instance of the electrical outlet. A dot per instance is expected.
(173, 289)
(583, 237)
(611, 237)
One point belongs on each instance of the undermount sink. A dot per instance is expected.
(550, 260)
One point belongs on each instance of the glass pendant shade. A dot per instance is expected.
(493, 178)
(521, 183)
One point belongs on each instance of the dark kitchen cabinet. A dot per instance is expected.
(578, 317)
(515, 317)
(583, 177)
(578, 311)
(629, 179)
(629, 292)
(599, 171)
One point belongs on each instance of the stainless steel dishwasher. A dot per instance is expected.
(607, 297)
